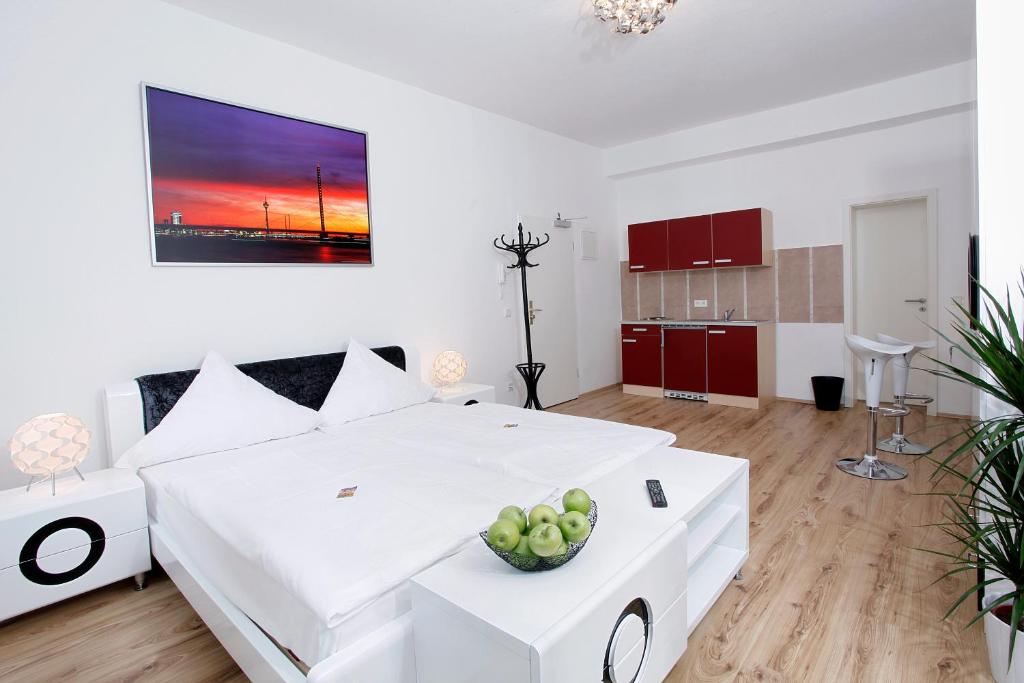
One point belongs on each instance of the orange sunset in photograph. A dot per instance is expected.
(232, 185)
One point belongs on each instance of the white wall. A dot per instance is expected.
(84, 307)
(807, 186)
(944, 89)
(1000, 150)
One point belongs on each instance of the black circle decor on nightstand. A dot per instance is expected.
(30, 568)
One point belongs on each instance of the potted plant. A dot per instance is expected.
(985, 511)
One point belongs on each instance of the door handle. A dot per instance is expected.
(723, 260)
(915, 301)
(629, 341)
(701, 263)
(639, 329)
(716, 331)
(534, 312)
(635, 267)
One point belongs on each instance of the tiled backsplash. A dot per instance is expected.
(805, 285)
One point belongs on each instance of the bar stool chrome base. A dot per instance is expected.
(897, 443)
(870, 467)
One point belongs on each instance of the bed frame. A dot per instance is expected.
(384, 655)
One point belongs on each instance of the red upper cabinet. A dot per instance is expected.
(720, 240)
(732, 360)
(648, 246)
(689, 243)
(741, 238)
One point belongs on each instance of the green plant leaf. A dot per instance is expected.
(982, 476)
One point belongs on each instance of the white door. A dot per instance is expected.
(891, 282)
(552, 293)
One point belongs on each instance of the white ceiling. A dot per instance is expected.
(549, 63)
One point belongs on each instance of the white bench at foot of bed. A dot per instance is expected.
(620, 611)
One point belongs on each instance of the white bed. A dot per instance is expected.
(260, 528)
(264, 524)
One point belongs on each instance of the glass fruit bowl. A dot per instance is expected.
(542, 564)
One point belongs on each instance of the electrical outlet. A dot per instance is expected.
(508, 312)
(700, 303)
(510, 387)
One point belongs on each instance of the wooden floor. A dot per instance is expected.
(834, 590)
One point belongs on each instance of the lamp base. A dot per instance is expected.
(53, 481)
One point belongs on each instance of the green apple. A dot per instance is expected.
(524, 547)
(514, 514)
(542, 514)
(562, 549)
(503, 534)
(576, 500)
(545, 539)
(526, 558)
(574, 526)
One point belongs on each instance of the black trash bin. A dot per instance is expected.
(828, 392)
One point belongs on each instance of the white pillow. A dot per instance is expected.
(369, 385)
(222, 409)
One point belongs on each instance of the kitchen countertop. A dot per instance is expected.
(737, 323)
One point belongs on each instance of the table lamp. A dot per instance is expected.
(50, 444)
(449, 367)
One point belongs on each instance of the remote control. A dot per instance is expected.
(658, 499)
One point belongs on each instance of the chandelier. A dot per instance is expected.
(632, 16)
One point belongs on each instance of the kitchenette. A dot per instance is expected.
(698, 309)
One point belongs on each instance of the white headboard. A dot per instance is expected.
(123, 403)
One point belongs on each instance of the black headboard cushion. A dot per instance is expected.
(305, 380)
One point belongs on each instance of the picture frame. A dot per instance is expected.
(233, 185)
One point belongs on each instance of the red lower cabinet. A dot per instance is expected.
(641, 359)
(732, 360)
(685, 359)
(732, 365)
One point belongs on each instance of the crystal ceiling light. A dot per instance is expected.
(632, 16)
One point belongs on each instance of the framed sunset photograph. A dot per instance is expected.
(231, 185)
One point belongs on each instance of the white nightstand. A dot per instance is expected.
(91, 533)
(462, 393)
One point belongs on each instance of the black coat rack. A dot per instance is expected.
(521, 249)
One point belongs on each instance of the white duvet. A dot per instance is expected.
(561, 450)
(276, 505)
(429, 477)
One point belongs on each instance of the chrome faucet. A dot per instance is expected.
(727, 316)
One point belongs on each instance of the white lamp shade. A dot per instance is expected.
(449, 367)
(49, 444)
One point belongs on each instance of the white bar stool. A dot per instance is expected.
(874, 355)
(898, 443)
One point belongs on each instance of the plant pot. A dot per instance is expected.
(997, 637)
